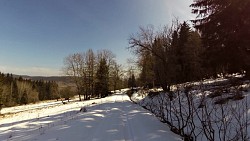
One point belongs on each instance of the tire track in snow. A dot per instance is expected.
(128, 132)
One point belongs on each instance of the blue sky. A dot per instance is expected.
(36, 35)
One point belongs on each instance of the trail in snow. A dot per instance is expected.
(113, 118)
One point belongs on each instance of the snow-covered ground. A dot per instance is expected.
(198, 114)
(114, 118)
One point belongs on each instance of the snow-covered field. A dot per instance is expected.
(114, 118)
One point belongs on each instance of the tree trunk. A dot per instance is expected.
(80, 97)
(165, 87)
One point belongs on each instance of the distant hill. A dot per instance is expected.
(62, 81)
(45, 78)
(49, 78)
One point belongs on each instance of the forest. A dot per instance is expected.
(216, 45)
(17, 91)
(93, 75)
(187, 62)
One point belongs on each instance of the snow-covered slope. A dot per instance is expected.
(210, 110)
(113, 118)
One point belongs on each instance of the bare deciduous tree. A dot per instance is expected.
(74, 67)
(82, 68)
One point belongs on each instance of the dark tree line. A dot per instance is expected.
(167, 57)
(17, 91)
(225, 34)
(131, 81)
(218, 44)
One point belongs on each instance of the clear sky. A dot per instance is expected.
(36, 35)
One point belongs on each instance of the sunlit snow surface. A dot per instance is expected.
(234, 111)
(113, 118)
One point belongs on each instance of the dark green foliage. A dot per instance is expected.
(188, 52)
(15, 91)
(163, 64)
(24, 98)
(170, 57)
(46, 90)
(225, 31)
(1, 91)
(131, 81)
(147, 73)
(102, 78)
(51, 90)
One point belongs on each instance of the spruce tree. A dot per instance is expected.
(184, 34)
(14, 90)
(24, 98)
(131, 81)
(1, 91)
(102, 77)
(186, 53)
(224, 25)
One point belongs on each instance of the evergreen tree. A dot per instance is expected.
(1, 98)
(41, 90)
(146, 63)
(54, 90)
(1, 91)
(7, 90)
(24, 98)
(170, 57)
(21, 91)
(14, 90)
(90, 68)
(102, 74)
(181, 51)
(162, 65)
(187, 49)
(115, 77)
(131, 81)
(225, 31)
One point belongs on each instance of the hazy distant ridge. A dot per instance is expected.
(45, 78)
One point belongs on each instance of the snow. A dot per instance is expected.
(114, 118)
(226, 118)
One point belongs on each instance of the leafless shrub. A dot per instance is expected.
(83, 109)
(204, 115)
(196, 116)
(221, 101)
(152, 94)
(239, 111)
(238, 95)
(182, 113)
(215, 94)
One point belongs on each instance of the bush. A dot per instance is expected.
(221, 101)
(238, 96)
(129, 93)
(83, 109)
(152, 94)
(215, 94)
